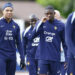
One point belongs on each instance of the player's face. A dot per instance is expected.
(8, 12)
(57, 16)
(50, 14)
(33, 22)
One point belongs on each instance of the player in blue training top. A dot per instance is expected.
(70, 41)
(62, 59)
(9, 39)
(51, 35)
(30, 46)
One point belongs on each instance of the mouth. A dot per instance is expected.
(9, 15)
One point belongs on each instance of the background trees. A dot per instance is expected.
(64, 6)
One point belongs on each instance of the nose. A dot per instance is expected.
(9, 12)
(49, 15)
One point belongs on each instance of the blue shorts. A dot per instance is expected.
(47, 66)
(32, 66)
(7, 66)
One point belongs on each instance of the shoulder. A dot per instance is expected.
(1, 18)
(60, 24)
(15, 24)
(73, 17)
(70, 17)
(25, 31)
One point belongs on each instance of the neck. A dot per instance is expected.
(8, 19)
(51, 20)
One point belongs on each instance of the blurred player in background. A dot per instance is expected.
(51, 34)
(62, 60)
(70, 41)
(9, 39)
(57, 15)
(30, 46)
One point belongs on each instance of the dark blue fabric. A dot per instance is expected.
(32, 66)
(51, 36)
(70, 35)
(30, 46)
(7, 66)
(63, 70)
(71, 66)
(9, 39)
(48, 67)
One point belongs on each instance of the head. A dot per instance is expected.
(57, 14)
(33, 19)
(7, 10)
(49, 12)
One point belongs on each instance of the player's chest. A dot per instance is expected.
(50, 29)
(7, 29)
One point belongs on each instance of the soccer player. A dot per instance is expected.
(51, 35)
(62, 59)
(57, 15)
(30, 46)
(70, 41)
(9, 39)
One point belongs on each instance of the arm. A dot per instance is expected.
(19, 44)
(62, 35)
(36, 31)
(68, 33)
(24, 43)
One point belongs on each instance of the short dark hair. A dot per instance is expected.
(49, 7)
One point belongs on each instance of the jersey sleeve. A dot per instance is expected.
(19, 44)
(68, 32)
(36, 30)
(24, 42)
(62, 35)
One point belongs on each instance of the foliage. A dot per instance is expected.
(64, 6)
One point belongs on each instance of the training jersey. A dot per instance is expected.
(10, 39)
(51, 35)
(30, 46)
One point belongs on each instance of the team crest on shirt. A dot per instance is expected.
(28, 63)
(71, 73)
(55, 27)
(38, 69)
(14, 26)
(29, 34)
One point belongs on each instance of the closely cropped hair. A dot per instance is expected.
(49, 8)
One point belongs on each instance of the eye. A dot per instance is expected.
(47, 13)
(8, 10)
(11, 10)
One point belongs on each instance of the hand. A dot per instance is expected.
(44, 19)
(22, 64)
(65, 65)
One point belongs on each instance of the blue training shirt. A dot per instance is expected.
(9, 39)
(70, 34)
(30, 46)
(51, 36)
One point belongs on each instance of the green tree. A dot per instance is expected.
(64, 6)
